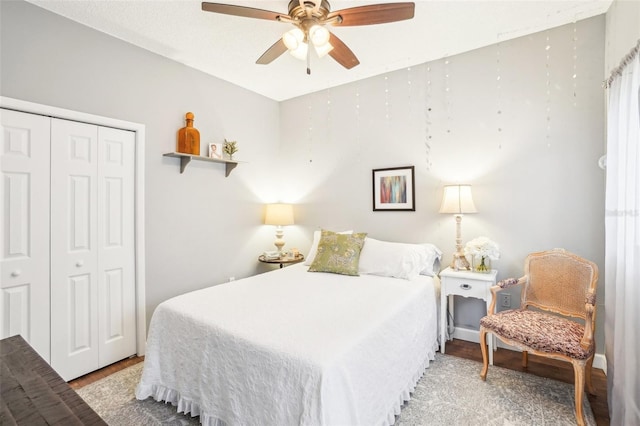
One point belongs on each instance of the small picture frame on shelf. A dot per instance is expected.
(215, 151)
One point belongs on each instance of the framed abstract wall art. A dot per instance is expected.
(394, 189)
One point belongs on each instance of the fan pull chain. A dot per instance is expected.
(309, 59)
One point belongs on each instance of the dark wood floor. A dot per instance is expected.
(543, 367)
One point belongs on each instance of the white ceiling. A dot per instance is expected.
(228, 46)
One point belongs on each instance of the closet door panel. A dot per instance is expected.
(74, 251)
(116, 244)
(24, 237)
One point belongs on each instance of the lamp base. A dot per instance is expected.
(460, 262)
(279, 243)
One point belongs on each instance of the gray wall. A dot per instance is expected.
(623, 31)
(201, 228)
(318, 151)
(532, 192)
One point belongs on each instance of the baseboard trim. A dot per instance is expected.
(599, 361)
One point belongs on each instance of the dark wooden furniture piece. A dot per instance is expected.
(32, 393)
(282, 261)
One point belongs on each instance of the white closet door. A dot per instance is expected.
(116, 249)
(24, 238)
(74, 248)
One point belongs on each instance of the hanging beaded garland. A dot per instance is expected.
(498, 94)
(548, 92)
(386, 97)
(329, 118)
(358, 138)
(447, 94)
(310, 132)
(575, 63)
(409, 84)
(427, 116)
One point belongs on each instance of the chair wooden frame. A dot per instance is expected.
(588, 272)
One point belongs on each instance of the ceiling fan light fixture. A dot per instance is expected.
(293, 39)
(300, 52)
(319, 35)
(323, 50)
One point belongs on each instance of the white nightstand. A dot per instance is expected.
(466, 284)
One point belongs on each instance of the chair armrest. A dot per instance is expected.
(510, 282)
(589, 307)
(501, 285)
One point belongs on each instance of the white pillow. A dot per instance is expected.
(399, 260)
(314, 246)
(432, 263)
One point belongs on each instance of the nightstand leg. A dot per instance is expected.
(443, 321)
(451, 307)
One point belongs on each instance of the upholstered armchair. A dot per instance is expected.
(556, 317)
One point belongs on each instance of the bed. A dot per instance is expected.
(293, 347)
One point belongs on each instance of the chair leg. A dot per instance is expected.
(525, 358)
(485, 357)
(589, 366)
(578, 371)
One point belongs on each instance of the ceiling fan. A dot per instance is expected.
(309, 18)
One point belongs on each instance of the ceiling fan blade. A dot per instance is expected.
(374, 14)
(341, 53)
(272, 53)
(247, 12)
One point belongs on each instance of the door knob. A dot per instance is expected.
(16, 273)
(79, 263)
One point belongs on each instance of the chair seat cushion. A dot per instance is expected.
(539, 331)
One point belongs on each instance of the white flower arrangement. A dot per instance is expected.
(482, 247)
(481, 250)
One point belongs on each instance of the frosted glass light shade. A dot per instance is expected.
(293, 38)
(279, 214)
(323, 50)
(300, 52)
(319, 35)
(457, 199)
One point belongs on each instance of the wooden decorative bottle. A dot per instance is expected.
(189, 137)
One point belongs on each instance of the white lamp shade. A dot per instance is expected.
(457, 199)
(279, 214)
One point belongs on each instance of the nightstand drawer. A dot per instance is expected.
(467, 288)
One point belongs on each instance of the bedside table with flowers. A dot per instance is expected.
(475, 283)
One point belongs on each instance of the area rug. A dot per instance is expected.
(450, 393)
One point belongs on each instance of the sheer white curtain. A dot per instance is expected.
(622, 247)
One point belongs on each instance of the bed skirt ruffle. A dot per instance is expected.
(192, 408)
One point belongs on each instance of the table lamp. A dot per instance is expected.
(457, 200)
(280, 215)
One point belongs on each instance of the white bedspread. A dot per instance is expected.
(292, 347)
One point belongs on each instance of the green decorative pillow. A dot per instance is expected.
(338, 253)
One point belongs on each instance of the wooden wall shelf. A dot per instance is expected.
(186, 159)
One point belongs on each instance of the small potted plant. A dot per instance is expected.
(230, 148)
(482, 251)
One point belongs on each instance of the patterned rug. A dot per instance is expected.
(450, 393)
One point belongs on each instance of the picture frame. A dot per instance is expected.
(394, 189)
(215, 151)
